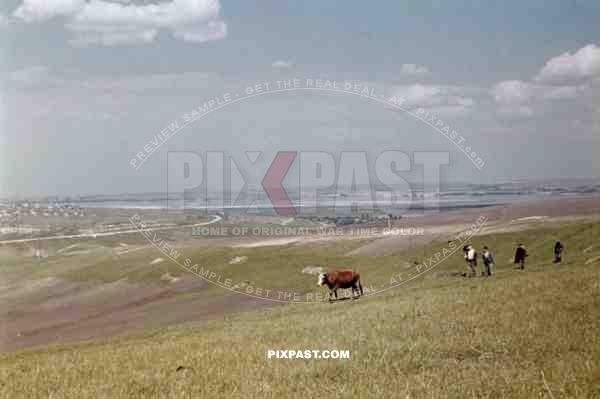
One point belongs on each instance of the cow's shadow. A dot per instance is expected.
(344, 298)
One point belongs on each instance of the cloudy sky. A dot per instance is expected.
(86, 84)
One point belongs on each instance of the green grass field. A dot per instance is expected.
(518, 334)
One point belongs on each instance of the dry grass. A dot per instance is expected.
(530, 334)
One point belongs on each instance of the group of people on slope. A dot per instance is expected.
(488, 260)
(471, 259)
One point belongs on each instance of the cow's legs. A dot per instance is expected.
(334, 295)
(357, 289)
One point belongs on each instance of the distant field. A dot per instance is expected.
(39, 226)
(518, 334)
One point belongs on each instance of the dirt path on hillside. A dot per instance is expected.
(54, 311)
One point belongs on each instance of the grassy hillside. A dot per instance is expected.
(519, 334)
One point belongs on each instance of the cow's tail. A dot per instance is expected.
(359, 283)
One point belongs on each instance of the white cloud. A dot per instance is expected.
(413, 69)
(570, 68)
(100, 22)
(512, 93)
(420, 95)
(566, 77)
(440, 99)
(116, 38)
(282, 64)
(212, 30)
(523, 98)
(562, 92)
(43, 10)
(562, 78)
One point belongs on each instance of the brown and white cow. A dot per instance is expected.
(342, 278)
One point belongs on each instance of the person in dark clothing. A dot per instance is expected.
(488, 261)
(520, 255)
(558, 248)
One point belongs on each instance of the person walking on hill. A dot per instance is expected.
(520, 255)
(558, 248)
(466, 254)
(471, 258)
(488, 261)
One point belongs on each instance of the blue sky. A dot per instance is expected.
(84, 85)
(464, 39)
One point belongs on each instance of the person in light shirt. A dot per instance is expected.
(471, 258)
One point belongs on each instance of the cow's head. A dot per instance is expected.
(322, 279)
